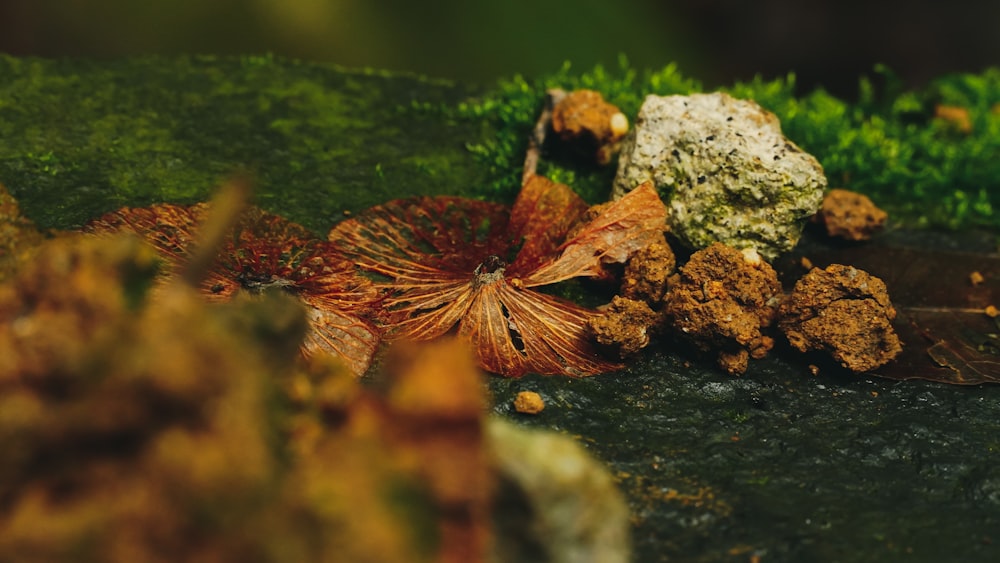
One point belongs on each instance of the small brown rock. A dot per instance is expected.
(720, 301)
(850, 215)
(584, 118)
(647, 272)
(529, 402)
(845, 312)
(625, 325)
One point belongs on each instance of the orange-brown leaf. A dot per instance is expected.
(543, 214)
(459, 264)
(620, 229)
(518, 331)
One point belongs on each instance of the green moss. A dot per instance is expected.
(887, 145)
(511, 110)
(79, 138)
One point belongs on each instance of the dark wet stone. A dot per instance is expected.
(789, 466)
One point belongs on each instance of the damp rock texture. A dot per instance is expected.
(850, 215)
(721, 300)
(725, 169)
(844, 312)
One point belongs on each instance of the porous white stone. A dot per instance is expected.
(725, 169)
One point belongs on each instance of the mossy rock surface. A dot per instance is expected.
(776, 463)
(81, 138)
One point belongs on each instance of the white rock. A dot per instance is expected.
(725, 170)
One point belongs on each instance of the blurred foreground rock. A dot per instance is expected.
(555, 503)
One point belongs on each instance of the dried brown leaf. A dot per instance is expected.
(267, 252)
(468, 264)
(619, 230)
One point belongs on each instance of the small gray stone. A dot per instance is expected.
(725, 170)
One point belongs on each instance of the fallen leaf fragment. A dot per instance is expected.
(266, 252)
(471, 265)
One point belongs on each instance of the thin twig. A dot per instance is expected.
(537, 139)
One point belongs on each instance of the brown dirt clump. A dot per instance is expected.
(647, 272)
(583, 117)
(845, 312)
(721, 300)
(850, 215)
(625, 325)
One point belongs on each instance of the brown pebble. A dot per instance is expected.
(529, 402)
(647, 272)
(624, 326)
(850, 215)
(956, 116)
(584, 118)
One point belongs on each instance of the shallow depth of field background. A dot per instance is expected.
(826, 42)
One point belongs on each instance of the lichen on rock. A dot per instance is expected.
(727, 172)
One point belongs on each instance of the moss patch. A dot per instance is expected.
(79, 138)
(888, 145)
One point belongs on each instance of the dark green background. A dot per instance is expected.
(827, 42)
